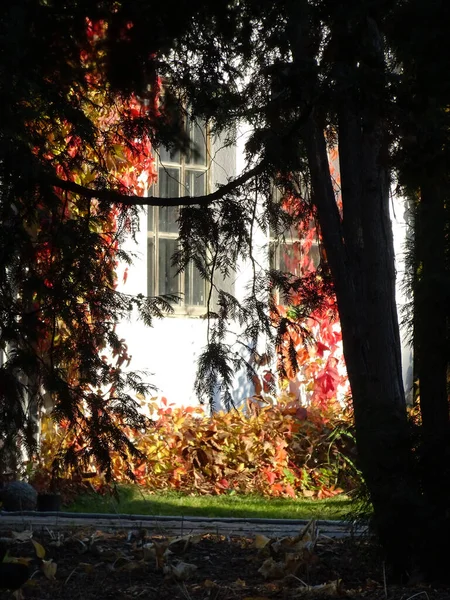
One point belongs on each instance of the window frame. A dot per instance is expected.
(289, 238)
(154, 234)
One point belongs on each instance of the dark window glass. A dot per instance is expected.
(171, 156)
(195, 288)
(195, 182)
(168, 279)
(180, 174)
(169, 182)
(151, 267)
(286, 257)
(197, 153)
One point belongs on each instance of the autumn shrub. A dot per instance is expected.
(279, 449)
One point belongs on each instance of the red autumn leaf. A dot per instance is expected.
(289, 490)
(277, 489)
(268, 381)
(321, 348)
(270, 476)
(257, 384)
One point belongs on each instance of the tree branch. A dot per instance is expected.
(133, 200)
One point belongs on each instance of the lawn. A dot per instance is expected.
(134, 500)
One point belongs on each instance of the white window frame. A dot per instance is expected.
(154, 235)
(276, 245)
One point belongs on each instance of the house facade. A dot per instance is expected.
(168, 351)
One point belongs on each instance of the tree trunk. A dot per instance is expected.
(360, 253)
(364, 275)
(430, 347)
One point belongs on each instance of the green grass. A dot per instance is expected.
(133, 500)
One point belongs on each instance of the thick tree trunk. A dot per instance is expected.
(362, 264)
(360, 253)
(431, 345)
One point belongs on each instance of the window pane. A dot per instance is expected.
(273, 255)
(194, 287)
(151, 267)
(168, 216)
(290, 258)
(314, 255)
(195, 182)
(169, 182)
(150, 218)
(197, 135)
(168, 187)
(166, 155)
(168, 279)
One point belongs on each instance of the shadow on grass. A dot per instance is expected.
(133, 500)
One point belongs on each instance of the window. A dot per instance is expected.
(179, 174)
(287, 254)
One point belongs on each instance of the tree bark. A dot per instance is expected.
(431, 344)
(360, 253)
(364, 277)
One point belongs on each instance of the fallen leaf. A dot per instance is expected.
(181, 570)
(308, 493)
(49, 568)
(305, 540)
(261, 541)
(22, 560)
(325, 590)
(157, 550)
(294, 560)
(131, 565)
(40, 550)
(22, 536)
(87, 567)
(184, 541)
(270, 569)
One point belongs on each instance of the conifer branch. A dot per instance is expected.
(116, 197)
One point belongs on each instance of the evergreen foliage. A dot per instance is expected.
(306, 76)
(61, 116)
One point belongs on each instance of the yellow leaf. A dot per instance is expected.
(17, 559)
(49, 568)
(261, 541)
(40, 550)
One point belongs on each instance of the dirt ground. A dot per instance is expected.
(98, 565)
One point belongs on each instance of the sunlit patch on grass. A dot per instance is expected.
(134, 500)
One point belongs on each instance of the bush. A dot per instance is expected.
(279, 449)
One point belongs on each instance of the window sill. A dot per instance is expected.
(191, 312)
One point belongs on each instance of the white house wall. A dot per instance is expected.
(168, 351)
(401, 227)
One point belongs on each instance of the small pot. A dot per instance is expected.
(49, 502)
